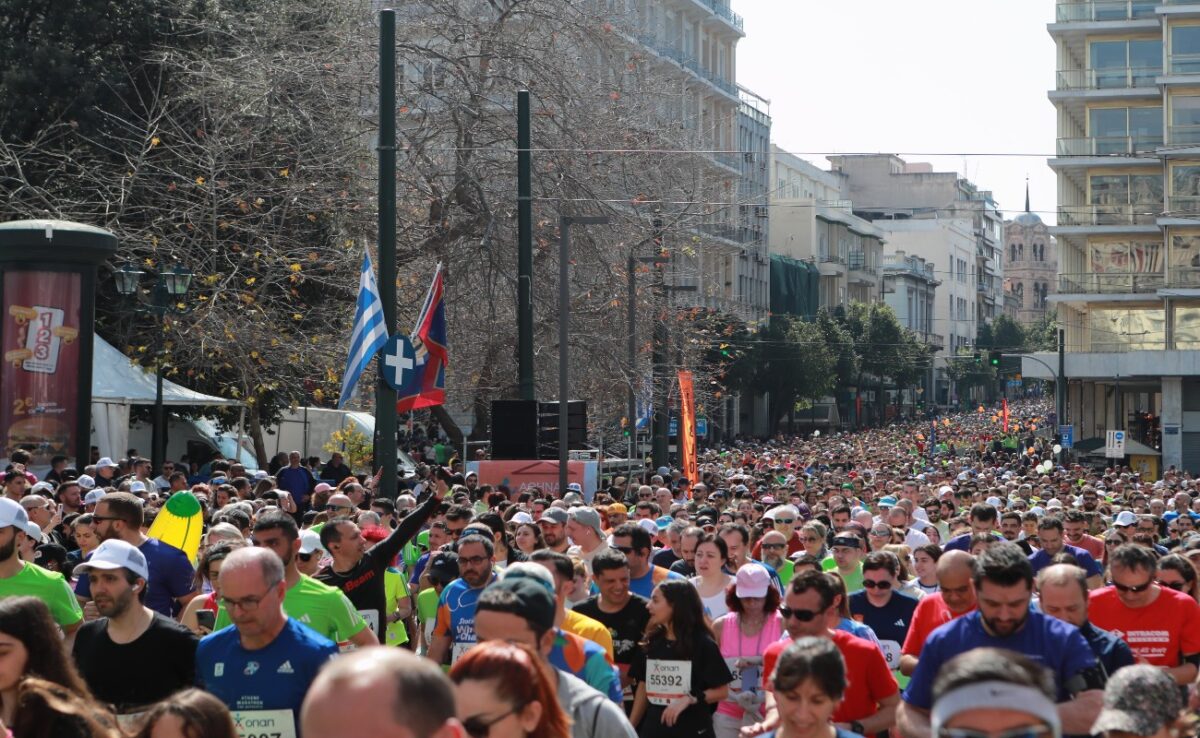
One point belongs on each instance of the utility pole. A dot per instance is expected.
(385, 396)
(1060, 382)
(524, 249)
(631, 265)
(662, 340)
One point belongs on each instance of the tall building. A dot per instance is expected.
(910, 289)
(1128, 238)
(1030, 266)
(813, 221)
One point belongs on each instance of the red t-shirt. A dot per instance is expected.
(1092, 545)
(868, 678)
(1159, 633)
(931, 614)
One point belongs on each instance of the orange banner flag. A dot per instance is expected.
(687, 427)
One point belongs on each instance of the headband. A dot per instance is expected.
(849, 541)
(995, 694)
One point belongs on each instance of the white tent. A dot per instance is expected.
(117, 385)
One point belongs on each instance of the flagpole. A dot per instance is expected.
(385, 396)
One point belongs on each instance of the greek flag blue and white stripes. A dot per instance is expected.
(370, 333)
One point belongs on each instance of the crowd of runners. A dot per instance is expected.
(946, 577)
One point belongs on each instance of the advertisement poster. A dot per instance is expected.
(39, 386)
(535, 474)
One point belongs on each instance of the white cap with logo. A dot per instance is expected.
(117, 554)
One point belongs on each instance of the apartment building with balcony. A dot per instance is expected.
(812, 221)
(910, 288)
(1128, 163)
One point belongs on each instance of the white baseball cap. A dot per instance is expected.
(1125, 519)
(91, 498)
(106, 463)
(11, 513)
(137, 487)
(86, 482)
(41, 487)
(34, 531)
(310, 541)
(117, 554)
(522, 517)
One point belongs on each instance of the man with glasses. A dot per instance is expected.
(783, 520)
(774, 548)
(163, 481)
(339, 506)
(811, 609)
(172, 578)
(454, 627)
(263, 666)
(1161, 626)
(881, 608)
(358, 570)
(323, 608)
(1004, 586)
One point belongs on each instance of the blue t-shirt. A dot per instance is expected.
(299, 482)
(456, 614)
(1040, 560)
(1057, 645)
(644, 585)
(171, 576)
(889, 622)
(273, 678)
(418, 570)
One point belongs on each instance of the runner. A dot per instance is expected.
(633, 541)
(359, 571)
(521, 610)
(562, 568)
(1004, 586)
(325, 609)
(682, 671)
(807, 685)
(454, 627)
(751, 625)
(955, 597)
(19, 577)
(506, 689)
(990, 691)
(131, 656)
(380, 693)
(262, 666)
(883, 609)
(622, 612)
(1063, 593)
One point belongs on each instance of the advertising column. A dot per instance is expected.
(47, 299)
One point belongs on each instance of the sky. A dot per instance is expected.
(964, 79)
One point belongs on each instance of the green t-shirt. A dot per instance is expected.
(321, 607)
(786, 572)
(395, 589)
(427, 602)
(49, 587)
(853, 580)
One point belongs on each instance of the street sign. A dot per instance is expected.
(1067, 433)
(673, 427)
(1114, 444)
(399, 361)
(701, 427)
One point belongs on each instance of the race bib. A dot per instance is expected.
(667, 680)
(891, 654)
(264, 723)
(372, 619)
(458, 649)
(745, 671)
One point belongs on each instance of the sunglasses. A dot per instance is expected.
(1134, 589)
(623, 549)
(803, 616)
(884, 585)
(784, 521)
(1177, 586)
(477, 727)
(306, 557)
(774, 545)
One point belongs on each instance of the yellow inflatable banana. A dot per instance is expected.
(180, 523)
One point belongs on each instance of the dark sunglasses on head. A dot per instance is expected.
(803, 616)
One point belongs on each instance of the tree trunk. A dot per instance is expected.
(256, 435)
(452, 430)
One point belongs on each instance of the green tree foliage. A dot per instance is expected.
(792, 362)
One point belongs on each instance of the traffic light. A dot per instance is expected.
(994, 359)
(977, 357)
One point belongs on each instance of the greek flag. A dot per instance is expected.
(369, 335)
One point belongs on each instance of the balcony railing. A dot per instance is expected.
(687, 62)
(725, 12)
(858, 262)
(1109, 283)
(1185, 63)
(1100, 215)
(832, 259)
(1183, 204)
(1109, 145)
(1104, 10)
(1183, 135)
(932, 339)
(1110, 78)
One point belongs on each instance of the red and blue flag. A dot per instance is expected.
(426, 386)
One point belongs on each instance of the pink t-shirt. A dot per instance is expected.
(735, 647)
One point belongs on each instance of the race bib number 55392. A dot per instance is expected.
(667, 680)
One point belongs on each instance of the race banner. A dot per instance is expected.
(687, 426)
(39, 379)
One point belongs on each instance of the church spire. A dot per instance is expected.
(1027, 194)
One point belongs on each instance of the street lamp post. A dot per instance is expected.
(169, 286)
